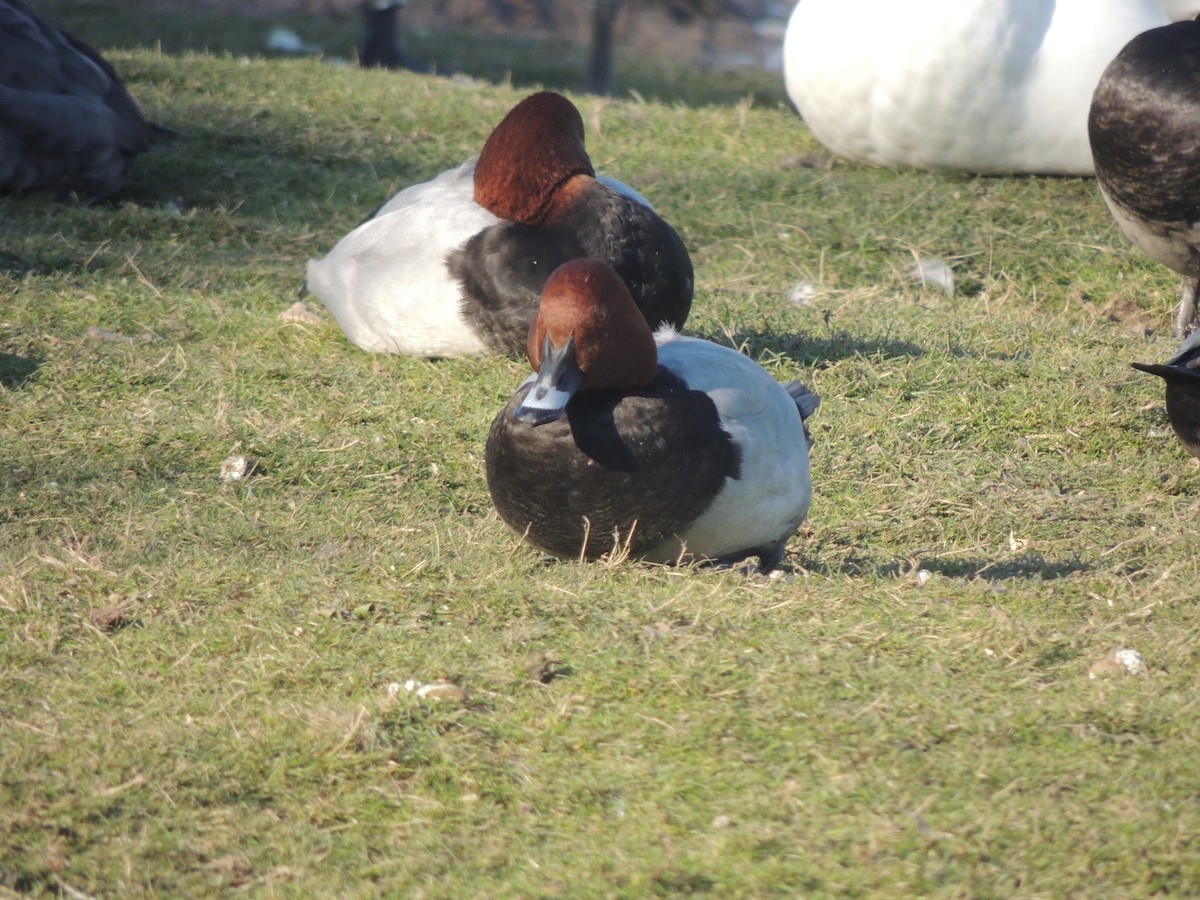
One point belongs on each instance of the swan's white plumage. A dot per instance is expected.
(990, 86)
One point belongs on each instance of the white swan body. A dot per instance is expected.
(1000, 86)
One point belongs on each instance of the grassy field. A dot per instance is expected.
(203, 681)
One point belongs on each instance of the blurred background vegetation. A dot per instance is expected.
(694, 52)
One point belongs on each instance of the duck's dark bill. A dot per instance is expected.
(558, 379)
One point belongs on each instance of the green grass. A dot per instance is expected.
(841, 729)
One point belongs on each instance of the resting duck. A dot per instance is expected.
(1182, 375)
(1144, 128)
(988, 86)
(67, 124)
(456, 265)
(671, 448)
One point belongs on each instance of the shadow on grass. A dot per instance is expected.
(248, 172)
(14, 263)
(1028, 566)
(16, 370)
(807, 350)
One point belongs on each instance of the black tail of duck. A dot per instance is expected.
(1181, 373)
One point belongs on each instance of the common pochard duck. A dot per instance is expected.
(455, 266)
(988, 86)
(670, 448)
(1144, 128)
(67, 123)
(1182, 376)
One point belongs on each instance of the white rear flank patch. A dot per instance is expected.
(772, 495)
(386, 282)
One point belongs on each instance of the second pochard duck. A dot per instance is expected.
(670, 448)
(455, 266)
